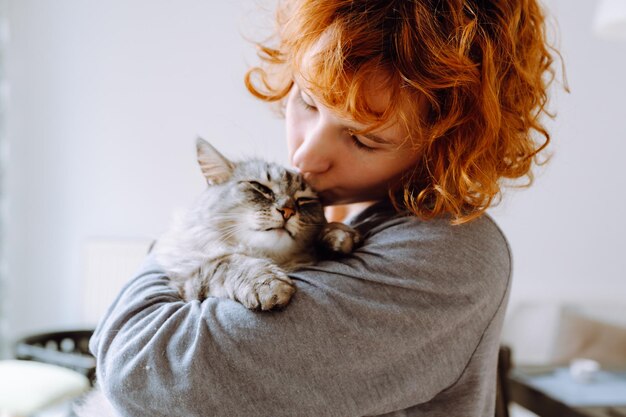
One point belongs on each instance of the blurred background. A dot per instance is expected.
(104, 101)
(101, 103)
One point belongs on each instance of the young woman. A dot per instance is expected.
(410, 112)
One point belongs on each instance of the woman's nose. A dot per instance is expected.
(314, 155)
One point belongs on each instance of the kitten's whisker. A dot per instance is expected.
(230, 232)
(226, 217)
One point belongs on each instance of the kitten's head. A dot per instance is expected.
(260, 204)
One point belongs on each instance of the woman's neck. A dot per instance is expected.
(341, 212)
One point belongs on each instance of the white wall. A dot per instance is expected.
(107, 98)
(568, 231)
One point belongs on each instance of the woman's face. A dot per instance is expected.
(341, 166)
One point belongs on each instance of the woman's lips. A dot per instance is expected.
(326, 195)
(312, 180)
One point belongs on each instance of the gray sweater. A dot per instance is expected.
(409, 325)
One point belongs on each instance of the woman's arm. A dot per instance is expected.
(387, 328)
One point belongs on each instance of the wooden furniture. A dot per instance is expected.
(522, 391)
(502, 389)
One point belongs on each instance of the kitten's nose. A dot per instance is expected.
(286, 206)
(286, 212)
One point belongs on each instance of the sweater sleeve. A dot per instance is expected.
(387, 328)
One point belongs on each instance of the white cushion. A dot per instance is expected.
(27, 386)
(530, 329)
(582, 336)
(535, 329)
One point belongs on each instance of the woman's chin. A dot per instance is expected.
(330, 198)
(334, 198)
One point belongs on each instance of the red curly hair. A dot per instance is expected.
(482, 68)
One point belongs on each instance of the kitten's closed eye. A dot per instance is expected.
(302, 201)
(264, 190)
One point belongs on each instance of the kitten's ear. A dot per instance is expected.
(215, 166)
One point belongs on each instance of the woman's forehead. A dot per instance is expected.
(321, 64)
(375, 91)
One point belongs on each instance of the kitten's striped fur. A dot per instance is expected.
(255, 222)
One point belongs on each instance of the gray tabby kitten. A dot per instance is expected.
(255, 222)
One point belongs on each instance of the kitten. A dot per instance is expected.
(255, 222)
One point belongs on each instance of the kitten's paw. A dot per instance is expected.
(271, 289)
(275, 293)
(338, 238)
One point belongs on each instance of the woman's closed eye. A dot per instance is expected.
(306, 101)
(359, 143)
(302, 201)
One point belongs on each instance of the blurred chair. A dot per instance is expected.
(69, 349)
(50, 369)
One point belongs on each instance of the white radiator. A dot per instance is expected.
(109, 264)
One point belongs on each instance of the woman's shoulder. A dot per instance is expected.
(381, 222)
(476, 253)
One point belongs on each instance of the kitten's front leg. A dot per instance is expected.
(254, 282)
(338, 238)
